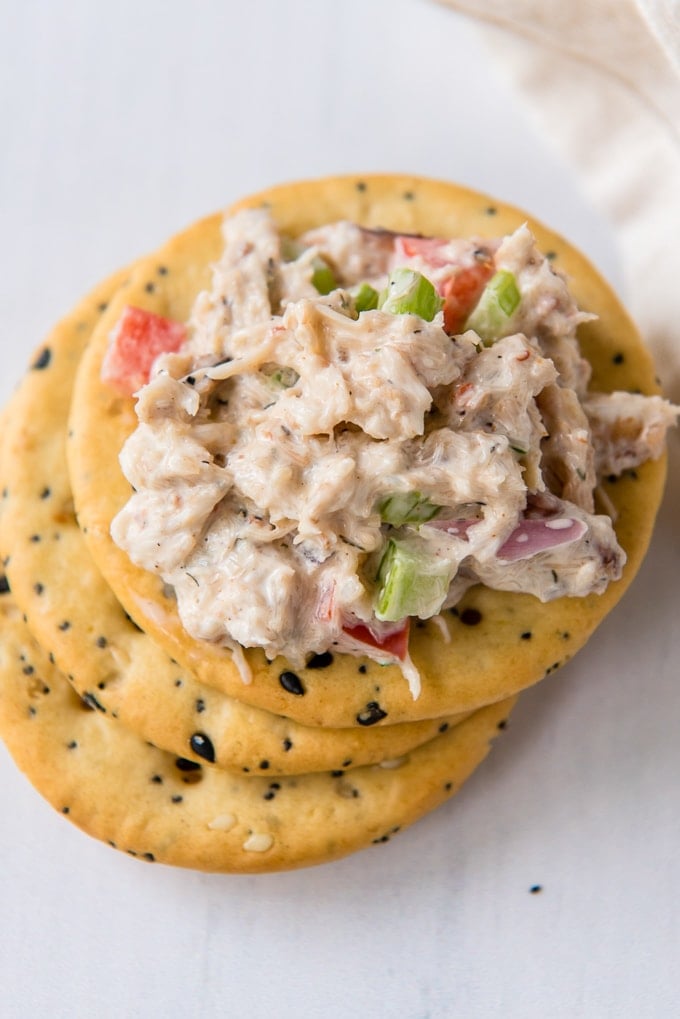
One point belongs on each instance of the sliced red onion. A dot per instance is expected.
(533, 536)
(456, 528)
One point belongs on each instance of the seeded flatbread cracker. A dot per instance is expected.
(157, 807)
(494, 643)
(75, 616)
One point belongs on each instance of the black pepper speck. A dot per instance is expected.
(471, 617)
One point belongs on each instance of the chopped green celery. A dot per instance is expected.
(500, 299)
(410, 293)
(412, 582)
(407, 508)
(323, 278)
(365, 298)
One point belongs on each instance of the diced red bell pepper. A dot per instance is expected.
(395, 642)
(137, 340)
(461, 291)
(461, 288)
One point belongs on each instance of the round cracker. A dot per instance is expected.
(514, 640)
(145, 802)
(75, 616)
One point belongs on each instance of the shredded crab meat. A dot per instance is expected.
(270, 444)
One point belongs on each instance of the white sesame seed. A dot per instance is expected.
(258, 842)
(222, 823)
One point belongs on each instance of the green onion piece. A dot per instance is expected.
(500, 299)
(412, 583)
(365, 298)
(280, 375)
(407, 508)
(516, 448)
(410, 293)
(290, 249)
(323, 278)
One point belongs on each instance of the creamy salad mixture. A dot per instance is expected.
(359, 426)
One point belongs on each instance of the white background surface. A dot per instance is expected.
(120, 124)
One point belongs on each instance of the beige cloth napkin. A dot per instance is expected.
(602, 79)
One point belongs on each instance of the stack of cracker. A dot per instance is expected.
(149, 739)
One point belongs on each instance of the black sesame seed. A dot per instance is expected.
(176, 799)
(269, 795)
(321, 661)
(363, 670)
(38, 588)
(66, 810)
(409, 196)
(443, 727)
(65, 625)
(535, 889)
(46, 493)
(202, 746)
(91, 702)
(157, 779)
(361, 185)
(35, 538)
(264, 765)
(185, 765)
(491, 210)
(503, 724)
(4, 584)
(162, 270)
(72, 745)
(102, 306)
(131, 620)
(149, 856)
(150, 287)
(200, 705)
(28, 670)
(178, 682)
(551, 255)
(526, 635)
(618, 359)
(371, 714)
(471, 617)
(337, 774)
(448, 787)
(291, 683)
(42, 360)
(347, 763)
(287, 745)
